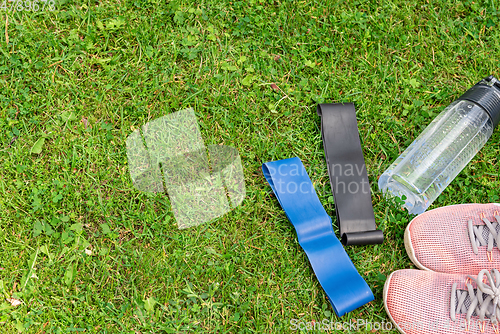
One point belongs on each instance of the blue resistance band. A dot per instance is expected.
(293, 188)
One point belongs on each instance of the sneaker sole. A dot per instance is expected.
(386, 290)
(409, 249)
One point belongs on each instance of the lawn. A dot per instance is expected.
(83, 251)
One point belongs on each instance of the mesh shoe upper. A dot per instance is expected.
(420, 302)
(442, 239)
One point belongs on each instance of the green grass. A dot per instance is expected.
(85, 76)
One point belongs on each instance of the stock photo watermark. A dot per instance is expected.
(338, 174)
(367, 325)
(27, 6)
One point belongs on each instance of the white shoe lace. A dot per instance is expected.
(485, 235)
(482, 302)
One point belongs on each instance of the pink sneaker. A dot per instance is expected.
(455, 239)
(425, 302)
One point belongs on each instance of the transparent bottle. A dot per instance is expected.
(443, 149)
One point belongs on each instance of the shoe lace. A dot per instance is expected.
(484, 235)
(483, 301)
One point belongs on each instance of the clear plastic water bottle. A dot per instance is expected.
(443, 149)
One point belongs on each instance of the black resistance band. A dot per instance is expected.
(348, 177)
